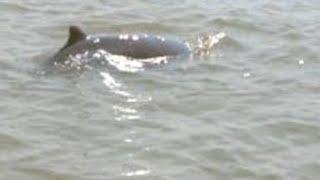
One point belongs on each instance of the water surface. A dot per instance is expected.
(250, 110)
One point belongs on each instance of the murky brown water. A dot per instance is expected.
(248, 111)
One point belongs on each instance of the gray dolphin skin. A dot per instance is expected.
(138, 46)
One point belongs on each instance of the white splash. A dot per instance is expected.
(128, 140)
(97, 55)
(124, 109)
(68, 61)
(123, 63)
(127, 117)
(246, 75)
(135, 37)
(102, 52)
(156, 61)
(109, 81)
(86, 54)
(131, 100)
(78, 56)
(137, 173)
(131, 117)
(301, 62)
(160, 38)
(123, 93)
(220, 35)
(206, 43)
(96, 40)
(123, 36)
(88, 37)
(215, 39)
(75, 60)
(188, 45)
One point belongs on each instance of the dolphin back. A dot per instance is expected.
(139, 46)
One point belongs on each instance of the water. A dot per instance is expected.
(249, 110)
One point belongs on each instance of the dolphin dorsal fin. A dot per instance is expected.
(75, 35)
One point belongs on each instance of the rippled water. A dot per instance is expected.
(249, 110)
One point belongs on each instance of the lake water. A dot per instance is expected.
(249, 110)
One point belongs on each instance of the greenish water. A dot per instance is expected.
(250, 110)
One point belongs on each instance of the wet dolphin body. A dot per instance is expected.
(138, 46)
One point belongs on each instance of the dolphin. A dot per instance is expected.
(137, 46)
